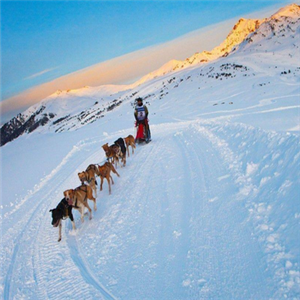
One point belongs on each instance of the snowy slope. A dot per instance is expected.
(285, 16)
(208, 210)
(64, 110)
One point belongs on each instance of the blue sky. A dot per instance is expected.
(45, 40)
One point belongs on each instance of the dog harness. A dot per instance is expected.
(91, 167)
(80, 188)
(64, 207)
(87, 178)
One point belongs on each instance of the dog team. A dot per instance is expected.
(78, 198)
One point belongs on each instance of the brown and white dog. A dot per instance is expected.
(78, 199)
(129, 141)
(104, 172)
(89, 176)
(62, 211)
(112, 153)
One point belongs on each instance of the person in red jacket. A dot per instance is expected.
(141, 117)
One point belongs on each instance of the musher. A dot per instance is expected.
(141, 116)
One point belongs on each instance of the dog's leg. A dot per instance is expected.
(82, 214)
(59, 231)
(95, 204)
(101, 184)
(72, 218)
(88, 207)
(94, 188)
(108, 181)
(127, 148)
(90, 197)
(121, 161)
(116, 161)
(112, 181)
(73, 225)
(124, 160)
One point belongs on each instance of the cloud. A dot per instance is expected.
(40, 73)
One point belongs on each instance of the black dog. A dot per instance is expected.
(120, 142)
(61, 212)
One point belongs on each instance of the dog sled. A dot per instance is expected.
(143, 134)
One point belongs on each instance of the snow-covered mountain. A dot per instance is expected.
(208, 210)
(66, 110)
(238, 34)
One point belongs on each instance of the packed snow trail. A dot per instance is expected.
(173, 230)
(85, 272)
(36, 255)
(183, 222)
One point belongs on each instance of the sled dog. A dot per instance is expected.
(121, 143)
(104, 172)
(129, 141)
(78, 199)
(62, 211)
(112, 153)
(89, 176)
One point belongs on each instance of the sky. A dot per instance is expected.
(45, 40)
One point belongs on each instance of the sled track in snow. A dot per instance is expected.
(188, 238)
(68, 252)
(209, 227)
(9, 273)
(138, 166)
(136, 181)
(190, 241)
(25, 223)
(218, 246)
(198, 190)
(33, 227)
(84, 269)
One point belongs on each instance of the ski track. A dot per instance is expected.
(190, 240)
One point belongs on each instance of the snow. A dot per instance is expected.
(208, 210)
(166, 68)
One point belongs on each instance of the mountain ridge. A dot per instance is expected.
(237, 35)
(60, 113)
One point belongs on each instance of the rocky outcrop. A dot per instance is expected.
(20, 125)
